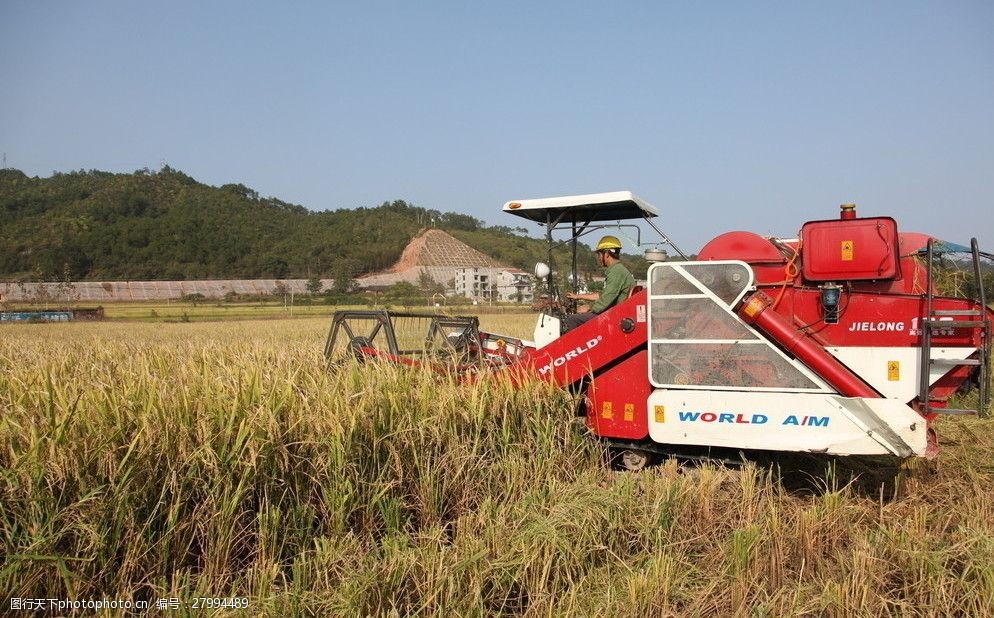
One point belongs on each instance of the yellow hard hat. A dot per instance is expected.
(608, 242)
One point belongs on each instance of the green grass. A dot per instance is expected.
(175, 311)
(221, 459)
(178, 311)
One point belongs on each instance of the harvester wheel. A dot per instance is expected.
(633, 460)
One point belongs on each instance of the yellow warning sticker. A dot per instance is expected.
(660, 414)
(607, 410)
(848, 248)
(629, 412)
(894, 371)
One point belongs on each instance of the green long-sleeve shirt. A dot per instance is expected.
(617, 283)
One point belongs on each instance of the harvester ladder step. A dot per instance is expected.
(961, 312)
(932, 323)
(985, 332)
(969, 362)
(954, 323)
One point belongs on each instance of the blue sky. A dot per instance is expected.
(726, 116)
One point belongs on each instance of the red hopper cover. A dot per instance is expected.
(850, 250)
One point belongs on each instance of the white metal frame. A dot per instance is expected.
(820, 385)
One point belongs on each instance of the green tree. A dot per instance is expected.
(166, 225)
(343, 275)
(403, 291)
(314, 285)
(194, 299)
(428, 286)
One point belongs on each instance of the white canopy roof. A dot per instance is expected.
(613, 206)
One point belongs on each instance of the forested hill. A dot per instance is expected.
(165, 225)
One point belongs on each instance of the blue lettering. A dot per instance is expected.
(791, 420)
(818, 421)
(754, 419)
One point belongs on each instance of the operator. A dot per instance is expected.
(618, 282)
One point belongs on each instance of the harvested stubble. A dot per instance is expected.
(148, 461)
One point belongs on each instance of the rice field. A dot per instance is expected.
(215, 310)
(153, 461)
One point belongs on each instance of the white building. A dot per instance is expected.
(499, 284)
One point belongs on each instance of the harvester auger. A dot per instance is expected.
(836, 342)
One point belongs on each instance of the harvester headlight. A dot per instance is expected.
(656, 255)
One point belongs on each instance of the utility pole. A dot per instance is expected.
(5, 160)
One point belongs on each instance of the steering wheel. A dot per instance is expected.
(556, 307)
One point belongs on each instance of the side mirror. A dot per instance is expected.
(542, 270)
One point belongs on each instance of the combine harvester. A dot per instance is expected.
(835, 342)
